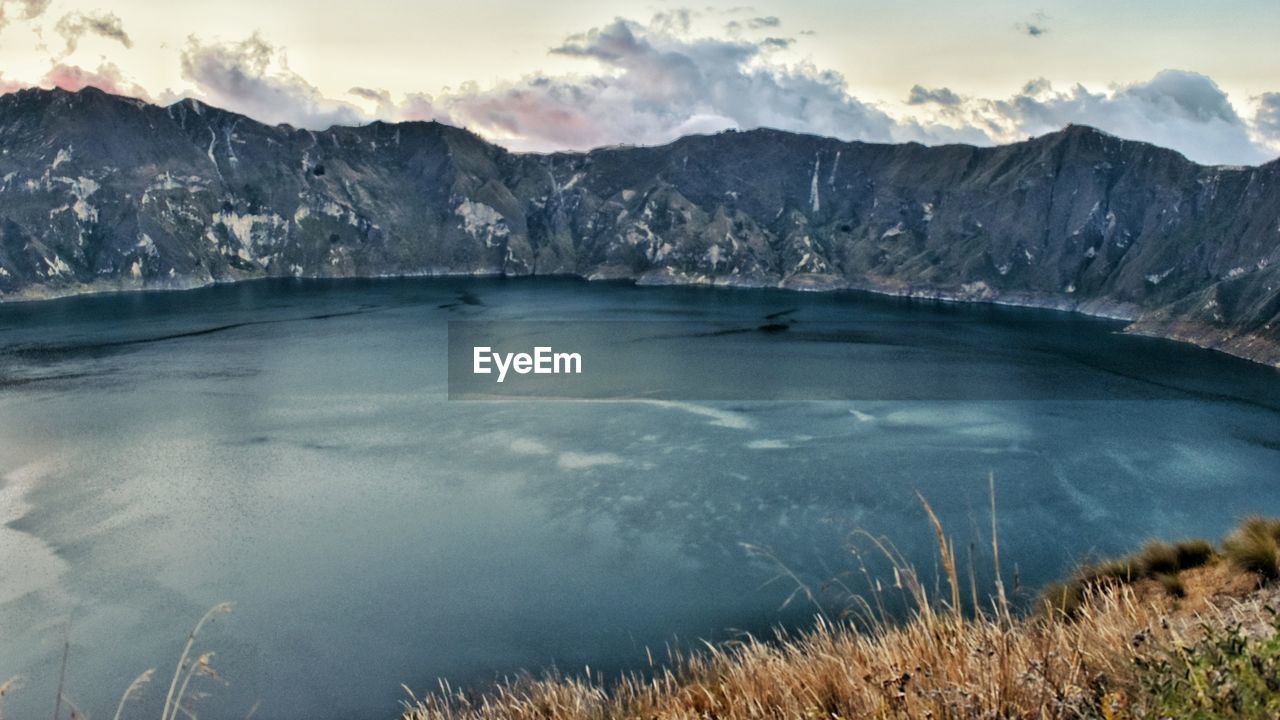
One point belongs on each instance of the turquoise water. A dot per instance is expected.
(289, 446)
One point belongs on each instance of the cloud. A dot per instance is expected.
(1267, 120)
(32, 9)
(651, 83)
(27, 9)
(735, 27)
(107, 78)
(379, 96)
(74, 26)
(253, 77)
(1177, 109)
(381, 99)
(673, 21)
(1036, 26)
(654, 84)
(944, 97)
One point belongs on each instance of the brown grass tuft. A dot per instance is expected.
(1255, 546)
(1194, 553)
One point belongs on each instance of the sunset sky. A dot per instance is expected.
(1203, 78)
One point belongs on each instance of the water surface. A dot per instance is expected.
(289, 445)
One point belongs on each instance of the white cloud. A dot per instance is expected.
(8, 86)
(253, 77)
(27, 9)
(651, 83)
(106, 77)
(1177, 109)
(1267, 121)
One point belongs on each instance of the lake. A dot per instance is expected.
(291, 446)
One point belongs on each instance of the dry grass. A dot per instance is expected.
(133, 690)
(188, 668)
(939, 665)
(1093, 662)
(1159, 565)
(181, 696)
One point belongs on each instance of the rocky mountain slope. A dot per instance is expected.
(99, 192)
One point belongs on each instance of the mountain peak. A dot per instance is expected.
(99, 191)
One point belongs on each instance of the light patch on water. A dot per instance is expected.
(965, 420)
(928, 416)
(584, 461)
(768, 445)
(344, 406)
(29, 563)
(1088, 507)
(718, 417)
(996, 430)
(529, 446)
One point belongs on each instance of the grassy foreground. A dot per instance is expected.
(1185, 630)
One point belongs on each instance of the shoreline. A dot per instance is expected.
(1244, 347)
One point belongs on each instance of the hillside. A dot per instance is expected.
(99, 192)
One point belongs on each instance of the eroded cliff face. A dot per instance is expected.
(99, 192)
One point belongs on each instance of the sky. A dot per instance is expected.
(1202, 78)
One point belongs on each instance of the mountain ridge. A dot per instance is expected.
(100, 193)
